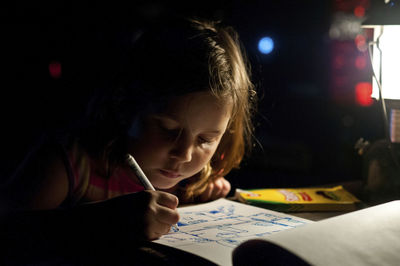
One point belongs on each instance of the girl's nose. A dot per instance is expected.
(182, 149)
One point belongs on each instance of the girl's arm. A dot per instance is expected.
(38, 225)
(39, 182)
(54, 186)
(217, 188)
(93, 229)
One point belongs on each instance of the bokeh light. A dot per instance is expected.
(360, 62)
(359, 11)
(363, 93)
(266, 45)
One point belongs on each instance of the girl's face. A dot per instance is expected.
(178, 143)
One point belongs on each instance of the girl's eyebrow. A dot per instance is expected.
(160, 116)
(165, 117)
(217, 132)
(171, 119)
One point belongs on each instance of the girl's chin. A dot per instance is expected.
(165, 186)
(169, 190)
(164, 183)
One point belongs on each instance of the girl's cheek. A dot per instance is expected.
(204, 158)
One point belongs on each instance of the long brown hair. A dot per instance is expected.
(173, 59)
(229, 77)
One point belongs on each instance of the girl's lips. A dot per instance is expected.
(169, 174)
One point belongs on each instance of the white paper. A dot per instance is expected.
(212, 230)
(366, 237)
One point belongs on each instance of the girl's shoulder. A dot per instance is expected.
(40, 179)
(92, 183)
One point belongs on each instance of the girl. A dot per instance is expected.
(181, 105)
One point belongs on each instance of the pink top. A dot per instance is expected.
(97, 187)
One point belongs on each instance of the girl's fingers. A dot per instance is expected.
(221, 188)
(159, 214)
(162, 220)
(218, 185)
(166, 199)
(167, 216)
(226, 187)
(218, 188)
(156, 230)
(160, 223)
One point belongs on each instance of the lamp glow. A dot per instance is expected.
(389, 43)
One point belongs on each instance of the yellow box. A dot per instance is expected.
(300, 199)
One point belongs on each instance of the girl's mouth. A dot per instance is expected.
(169, 174)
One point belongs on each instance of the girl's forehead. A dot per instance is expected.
(198, 113)
(197, 102)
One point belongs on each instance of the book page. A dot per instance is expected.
(212, 230)
(366, 237)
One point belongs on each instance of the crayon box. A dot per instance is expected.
(300, 199)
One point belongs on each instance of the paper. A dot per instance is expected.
(214, 229)
(366, 237)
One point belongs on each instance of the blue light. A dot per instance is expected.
(266, 45)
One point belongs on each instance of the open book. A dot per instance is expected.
(215, 230)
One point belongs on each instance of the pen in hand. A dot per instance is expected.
(142, 177)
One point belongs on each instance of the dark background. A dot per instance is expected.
(306, 127)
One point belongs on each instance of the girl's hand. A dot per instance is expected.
(159, 213)
(216, 189)
(144, 215)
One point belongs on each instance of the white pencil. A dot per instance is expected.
(142, 177)
(139, 173)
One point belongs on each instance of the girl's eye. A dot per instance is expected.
(168, 132)
(203, 140)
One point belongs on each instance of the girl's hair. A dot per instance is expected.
(176, 58)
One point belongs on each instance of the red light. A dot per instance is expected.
(55, 69)
(363, 93)
(360, 62)
(360, 40)
(359, 11)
